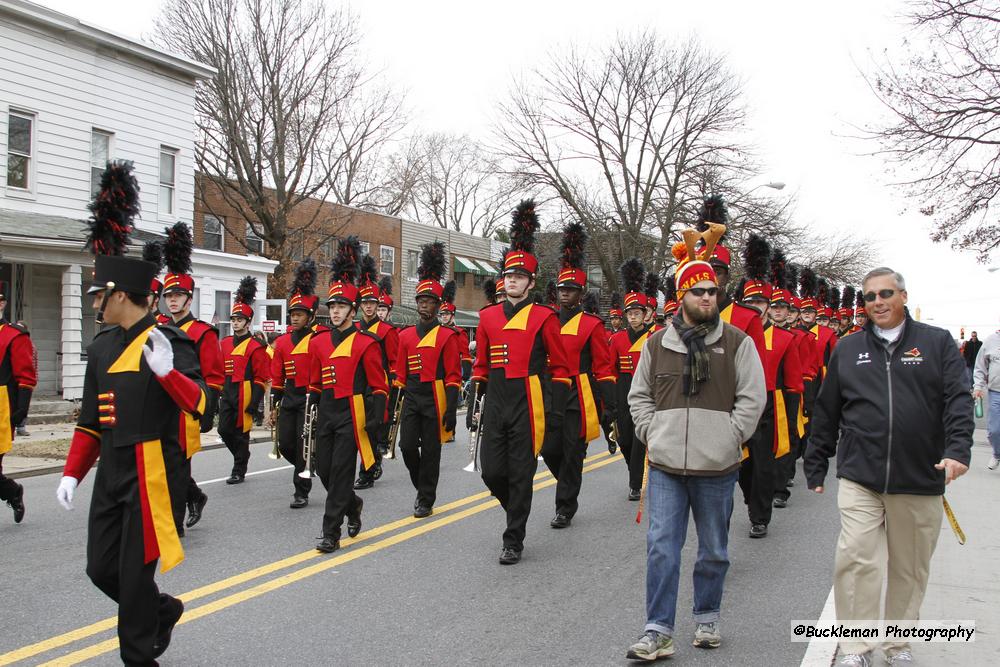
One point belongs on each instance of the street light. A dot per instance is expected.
(777, 185)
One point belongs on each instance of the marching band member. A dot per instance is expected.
(626, 346)
(247, 370)
(17, 382)
(290, 367)
(670, 303)
(517, 341)
(388, 337)
(178, 290)
(650, 288)
(592, 382)
(139, 377)
(447, 317)
(615, 314)
(428, 371)
(345, 369)
(152, 251)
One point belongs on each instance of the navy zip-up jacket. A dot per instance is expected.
(897, 410)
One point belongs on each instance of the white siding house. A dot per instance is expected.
(73, 96)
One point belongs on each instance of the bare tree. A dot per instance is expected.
(619, 136)
(944, 139)
(283, 121)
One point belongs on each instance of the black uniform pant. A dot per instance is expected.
(8, 487)
(420, 443)
(506, 456)
(116, 551)
(291, 421)
(190, 493)
(236, 440)
(757, 473)
(632, 449)
(336, 456)
(564, 451)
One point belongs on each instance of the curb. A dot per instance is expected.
(48, 470)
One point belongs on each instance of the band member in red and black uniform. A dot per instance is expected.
(848, 300)
(447, 318)
(833, 309)
(815, 317)
(348, 384)
(516, 342)
(626, 346)
(670, 303)
(290, 368)
(178, 291)
(17, 382)
(385, 302)
(247, 369)
(388, 337)
(615, 314)
(592, 382)
(428, 370)
(650, 288)
(776, 431)
(490, 292)
(152, 251)
(139, 377)
(860, 314)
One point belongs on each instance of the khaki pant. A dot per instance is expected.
(909, 526)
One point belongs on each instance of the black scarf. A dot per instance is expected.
(697, 365)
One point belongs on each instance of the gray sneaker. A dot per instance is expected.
(902, 658)
(706, 635)
(23, 431)
(856, 660)
(651, 646)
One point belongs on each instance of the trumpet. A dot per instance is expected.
(474, 440)
(275, 414)
(308, 434)
(394, 427)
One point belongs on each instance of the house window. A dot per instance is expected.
(222, 311)
(412, 261)
(100, 155)
(366, 248)
(595, 275)
(329, 248)
(168, 181)
(459, 280)
(255, 244)
(478, 280)
(212, 233)
(387, 266)
(20, 146)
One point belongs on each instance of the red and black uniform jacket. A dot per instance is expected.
(826, 340)
(810, 373)
(345, 366)
(626, 346)
(588, 361)
(388, 338)
(126, 405)
(206, 344)
(515, 345)
(463, 352)
(783, 377)
(429, 366)
(290, 369)
(745, 319)
(247, 367)
(17, 379)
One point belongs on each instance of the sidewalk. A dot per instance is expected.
(15, 466)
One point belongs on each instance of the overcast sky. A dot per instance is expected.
(800, 63)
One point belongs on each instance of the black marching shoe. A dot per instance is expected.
(780, 503)
(170, 614)
(791, 482)
(17, 504)
(235, 478)
(422, 512)
(328, 544)
(758, 530)
(364, 482)
(509, 556)
(560, 521)
(377, 471)
(195, 509)
(180, 530)
(298, 502)
(354, 520)
(633, 494)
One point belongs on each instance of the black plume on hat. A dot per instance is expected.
(177, 248)
(247, 291)
(305, 278)
(756, 258)
(792, 279)
(859, 300)
(152, 251)
(652, 285)
(369, 274)
(448, 295)
(713, 209)
(590, 304)
(573, 243)
(847, 297)
(490, 290)
(385, 285)
(523, 225)
(833, 297)
(669, 288)
(551, 296)
(778, 268)
(807, 283)
(822, 292)
(113, 209)
(616, 301)
(632, 274)
(431, 261)
(344, 266)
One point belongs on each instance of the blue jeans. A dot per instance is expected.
(993, 421)
(670, 499)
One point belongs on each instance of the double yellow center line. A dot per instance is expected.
(542, 479)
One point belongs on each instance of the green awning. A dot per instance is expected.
(490, 269)
(466, 265)
(404, 315)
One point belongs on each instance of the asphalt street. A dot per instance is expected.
(409, 591)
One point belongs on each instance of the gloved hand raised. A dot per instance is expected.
(159, 357)
(66, 491)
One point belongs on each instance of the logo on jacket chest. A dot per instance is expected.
(912, 357)
(863, 358)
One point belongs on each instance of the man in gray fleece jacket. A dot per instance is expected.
(697, 395)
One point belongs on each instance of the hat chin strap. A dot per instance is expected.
(108, 291)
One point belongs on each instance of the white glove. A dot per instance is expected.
(66, 490)
(160, 357)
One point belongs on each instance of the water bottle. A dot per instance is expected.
(979, 407)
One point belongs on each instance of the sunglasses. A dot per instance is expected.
(702, 291)
(882, 293)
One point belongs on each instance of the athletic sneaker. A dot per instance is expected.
(651, 646)
(856, 660)
(706, 635)
(994, 462)
(901, 658)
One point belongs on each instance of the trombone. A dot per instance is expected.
(474, 440)
(394, 426)
(275, 414)
(308, 436)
